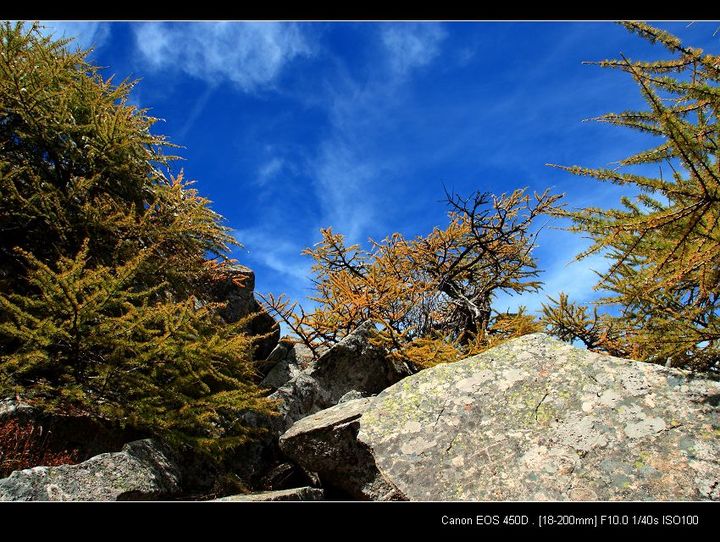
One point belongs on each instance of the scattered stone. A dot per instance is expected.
(350, 396)
(295, 494)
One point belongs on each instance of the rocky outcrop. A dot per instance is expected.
(533, 419)
(295, 494)
(305, 385)
(236, 289)
(143, 470)
(285, 368)
(353, 364)
(287, 361)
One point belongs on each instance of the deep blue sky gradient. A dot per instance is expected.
(291, 127)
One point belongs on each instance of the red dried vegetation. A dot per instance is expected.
(24, 445)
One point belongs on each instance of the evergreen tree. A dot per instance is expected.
(106, 261)
(664, 243)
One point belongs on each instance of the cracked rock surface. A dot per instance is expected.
(533, 419)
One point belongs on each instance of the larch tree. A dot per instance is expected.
(430, 297)
(664, 243)
(107, 260)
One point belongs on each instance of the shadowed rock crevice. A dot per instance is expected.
(328, 445)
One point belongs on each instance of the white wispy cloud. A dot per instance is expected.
(410, 46)
(85, 34)
(268, 170)
(276, 251)
(345, 186)
(195, 112)
(248, 54)
(351, 172)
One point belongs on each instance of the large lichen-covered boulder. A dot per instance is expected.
(143, 470)
(533, 419)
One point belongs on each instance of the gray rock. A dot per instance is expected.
(296, 358)
(298, 398)
(295, 494)
(143, 470)
(350, 396)
(301, 355)
(237, 292)
(327, 443)
(533, 419)
(278, 354)
(12, 408)
(351, 365)
(281, 373)
(355, 364)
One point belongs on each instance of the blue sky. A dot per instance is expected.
(291, 127)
